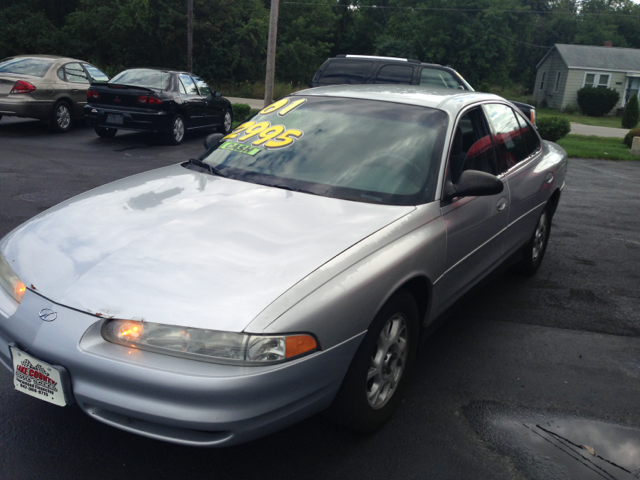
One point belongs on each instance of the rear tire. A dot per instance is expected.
(105, 132)
(373, 386)
(176, 134)
(61, 119)
(533, 252)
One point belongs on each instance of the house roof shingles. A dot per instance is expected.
(600, 58)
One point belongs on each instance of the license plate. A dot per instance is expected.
(37, 378)
(117, 119)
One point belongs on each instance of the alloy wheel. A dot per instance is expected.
(63, 116)
(540, 236)
(388, 361)
(178, 129)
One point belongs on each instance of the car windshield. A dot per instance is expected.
(363, 150)
(142, 77)
(26, 66)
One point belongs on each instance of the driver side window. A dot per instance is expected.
(471, 148)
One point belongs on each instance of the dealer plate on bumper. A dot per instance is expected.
(37, 378)
(117, 119)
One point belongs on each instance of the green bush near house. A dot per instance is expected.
(630, 115)
(553, 128)
(628, 138)
(596, 101)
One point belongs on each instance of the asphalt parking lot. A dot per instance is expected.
(528, 378)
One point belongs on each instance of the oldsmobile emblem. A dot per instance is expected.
(47, 315)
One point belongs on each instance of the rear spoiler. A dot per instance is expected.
(118, 86)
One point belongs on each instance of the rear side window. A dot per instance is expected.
(26, 66)
(531, 140)
(96, 75)
(340, 72)
(508, 139)
(433, 77)
(398, 74)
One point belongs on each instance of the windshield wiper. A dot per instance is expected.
(287, 187)
(211, 168)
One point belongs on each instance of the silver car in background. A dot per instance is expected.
(294, 267)
(51, 89)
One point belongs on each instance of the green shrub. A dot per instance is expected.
(628, 138)
(553, 128)
(571, 109)
(597, 101)
(484, 87)
(630, 116)
(240, 111)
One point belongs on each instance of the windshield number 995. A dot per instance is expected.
(263, 133)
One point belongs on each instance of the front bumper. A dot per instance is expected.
(25, 106)
(169, 398)
(133, 119)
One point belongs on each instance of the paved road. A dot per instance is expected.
(520, 358)
(252, 102)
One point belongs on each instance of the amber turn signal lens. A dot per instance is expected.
(18, 291)
(299, 344)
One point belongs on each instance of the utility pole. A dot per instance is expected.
(190, 36)
(271, 53)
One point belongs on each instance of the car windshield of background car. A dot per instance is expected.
(26, 66)
(143, 78)
(363, 150)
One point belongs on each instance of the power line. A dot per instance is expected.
(476, 10)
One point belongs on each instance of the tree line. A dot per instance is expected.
(498, 42)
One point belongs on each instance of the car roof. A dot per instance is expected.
(50, 57)
(444, 99)
(389, 59)
(160, 69)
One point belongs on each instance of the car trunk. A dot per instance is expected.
(119, 96)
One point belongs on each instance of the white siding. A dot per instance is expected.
(551, 66)
(575, 82)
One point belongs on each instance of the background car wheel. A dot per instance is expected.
(177, 132)
(534, 251)
(105, 132)
(372, 388)
(227, 122)
(61, 120)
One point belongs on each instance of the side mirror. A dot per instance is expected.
(473, 183)
(211, 140)
(217, 94)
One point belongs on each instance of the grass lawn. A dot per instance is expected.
(581, 146)
(613, 122)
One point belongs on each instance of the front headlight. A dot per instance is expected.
(208, 345)
(10, 282)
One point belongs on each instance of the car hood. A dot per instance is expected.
(185, 248)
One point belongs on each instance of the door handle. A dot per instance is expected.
(502, 204)
(549, 178)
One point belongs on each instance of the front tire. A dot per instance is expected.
(177, 132)
(372, 388)
(227, 122)
(61, 119)
(533, 252)
(105, 132)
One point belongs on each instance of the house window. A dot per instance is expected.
(542, 81)
(557, 82)
(599, 80)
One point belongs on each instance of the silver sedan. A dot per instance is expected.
(294, 267)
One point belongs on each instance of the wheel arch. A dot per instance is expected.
(420, 288)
